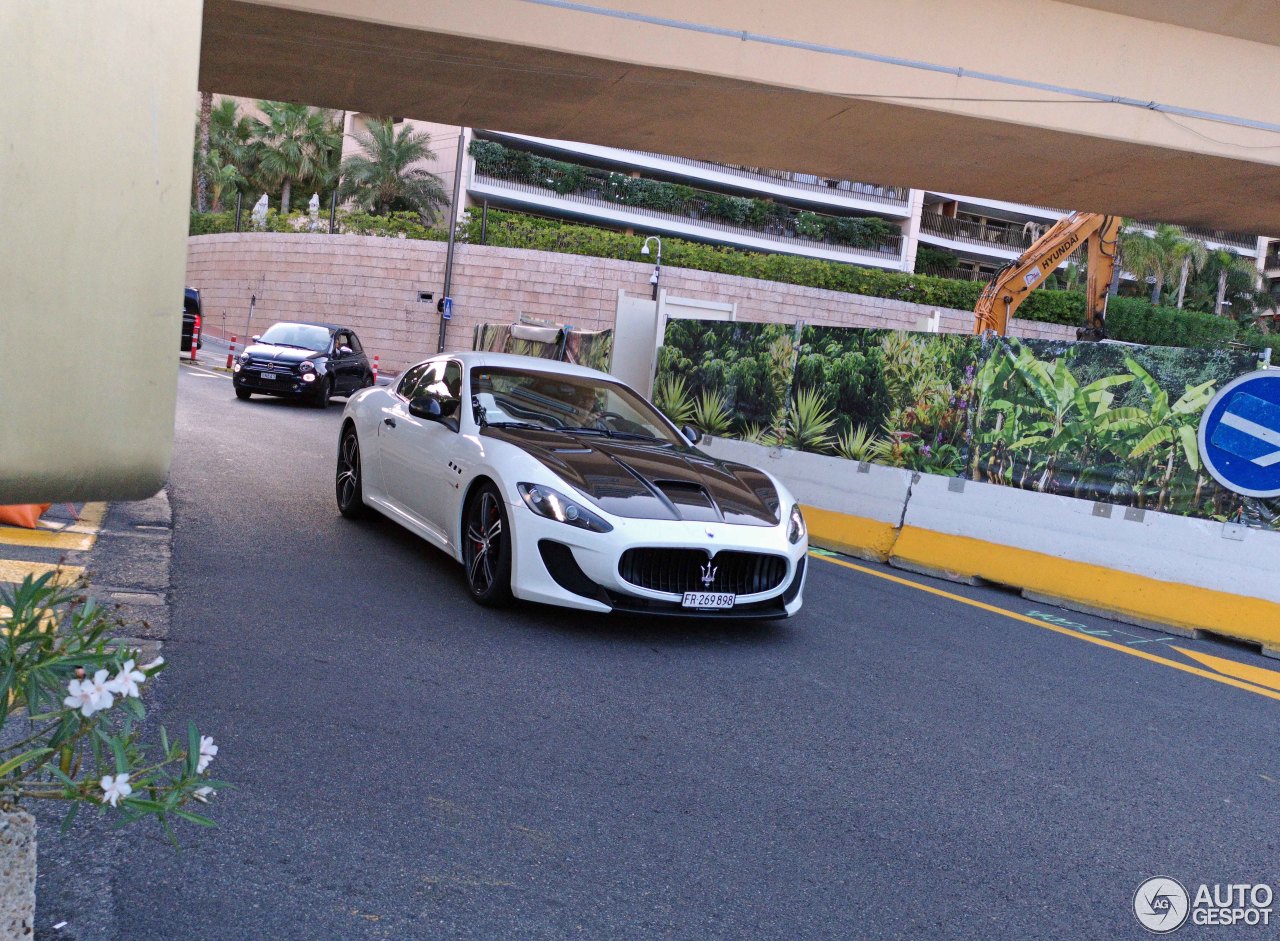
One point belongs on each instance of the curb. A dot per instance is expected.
(1079, 586)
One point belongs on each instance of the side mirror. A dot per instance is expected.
(693, 434)
(257, 337)
(432, 408)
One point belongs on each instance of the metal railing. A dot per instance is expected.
(593, 191)
(1205, 234)
(976, 233)
(892, 195)
(957, 274)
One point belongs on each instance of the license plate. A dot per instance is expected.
(266, 375)
(708, 599)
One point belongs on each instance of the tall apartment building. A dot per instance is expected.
(980, 234)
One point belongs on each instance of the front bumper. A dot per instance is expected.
(283, 384)
(554, 563)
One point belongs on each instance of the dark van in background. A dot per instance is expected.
(191, 320)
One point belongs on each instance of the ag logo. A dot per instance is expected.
(1161, 904)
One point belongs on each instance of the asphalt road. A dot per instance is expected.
(891, 763)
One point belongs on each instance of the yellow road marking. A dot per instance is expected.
(1216, 677)
(44, 539)
(11, 570)
(1258, 675)
(79, 535)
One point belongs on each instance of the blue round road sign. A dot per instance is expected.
(1240, 435)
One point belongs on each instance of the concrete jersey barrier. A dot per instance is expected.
(1156, 569)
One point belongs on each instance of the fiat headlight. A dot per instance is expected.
(795, 528)
(556, 506)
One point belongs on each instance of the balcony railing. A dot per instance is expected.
(782, 224)
(891, 195)
(1204, 234)
(957, 274)
(976, 233)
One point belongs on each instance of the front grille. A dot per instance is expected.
(271, 366)
(676, 571)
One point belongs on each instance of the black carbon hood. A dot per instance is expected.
(659, 481)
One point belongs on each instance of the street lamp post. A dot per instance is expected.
(657, 268)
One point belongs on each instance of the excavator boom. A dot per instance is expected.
(1013, 283)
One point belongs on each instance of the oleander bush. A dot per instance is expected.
(72, 722)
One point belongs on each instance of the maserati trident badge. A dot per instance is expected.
(708, 575)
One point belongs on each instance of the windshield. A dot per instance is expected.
(581, 404)
(304, 336)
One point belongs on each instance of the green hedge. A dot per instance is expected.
(498, 160)
(395, 225)
(1131, 319)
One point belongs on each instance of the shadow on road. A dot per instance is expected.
(445, 578)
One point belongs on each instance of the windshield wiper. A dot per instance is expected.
(292, 346)
(609, 433)
(637, 436)
(517, 424)
(589, 431)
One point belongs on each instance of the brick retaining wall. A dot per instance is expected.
(372, 284)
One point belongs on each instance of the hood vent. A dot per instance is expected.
(691, 499)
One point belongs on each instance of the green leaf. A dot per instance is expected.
(195, 818)
(193, 748)
(1155, 436)
(22, 759)
(1190, 446)
(69, 817)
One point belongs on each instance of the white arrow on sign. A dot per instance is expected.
(1254, 430)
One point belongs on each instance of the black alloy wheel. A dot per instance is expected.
(486, 548)
(347, 483)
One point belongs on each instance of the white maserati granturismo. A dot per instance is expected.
(558, 484)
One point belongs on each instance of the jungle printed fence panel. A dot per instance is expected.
(1101, 422)
(593, 348)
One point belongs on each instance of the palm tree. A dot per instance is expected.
(1227, 263)
(1192, 256)
(384, 179)
(1166, 257)
(294, 144)
(202, 152)
(222, 175)
(1142, 255)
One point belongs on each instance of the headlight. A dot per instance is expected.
(305, 367)
(796, 529)
(242, 358)
(308, 377)
(556, 506)
(235, 367)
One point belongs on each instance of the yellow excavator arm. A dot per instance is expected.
(1019, 278)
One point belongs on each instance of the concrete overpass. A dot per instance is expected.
(1155, 108)
(1162, 109)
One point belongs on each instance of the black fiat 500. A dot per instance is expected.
(309, 361)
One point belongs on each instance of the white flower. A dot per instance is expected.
(127, 680)
(207, 751)
(202, 794)
(114, 788)
(148, 667)
(103, 690)
(81, 696)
